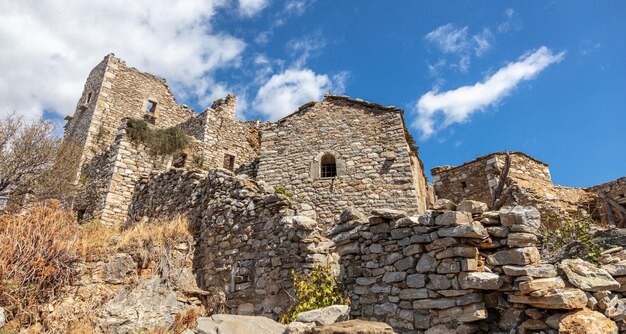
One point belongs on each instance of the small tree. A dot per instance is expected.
(34, 163)
(315, 289)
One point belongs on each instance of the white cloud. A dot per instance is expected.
(456, 106)
(482, 42)
(512, 23)
(48, 48)
(458, 42)
(286, 91)
(448, 38)
(251, 7)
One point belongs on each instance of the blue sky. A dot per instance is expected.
(474, 77)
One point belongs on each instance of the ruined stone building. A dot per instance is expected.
(331, 154)
(517, 178)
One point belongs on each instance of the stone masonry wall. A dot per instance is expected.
(221, 135)
(371, 148)
(445, 271)
(117, 92)
(529, 179)
(615, 191)
(248, 239)
(471, 271)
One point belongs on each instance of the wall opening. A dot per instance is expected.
(328, 166)
(88, 97)
(229, 162)
(463, 184)
(151, 106)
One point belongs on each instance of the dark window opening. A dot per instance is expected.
(229, 161)
(180, 161)
(89, 97)
(151, 106)
(328, 166)
(80, 215)
(463, 184)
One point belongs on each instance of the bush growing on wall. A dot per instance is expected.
(314, 290)
(570, 238)
(158, 141)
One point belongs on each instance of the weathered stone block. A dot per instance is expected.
(453, 218)
(519, 256)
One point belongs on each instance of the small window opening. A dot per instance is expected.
(463, 184)
(329, 166)
(151, 106)
(229, 162)
(89, 97)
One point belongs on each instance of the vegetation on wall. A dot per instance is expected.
(158, 141)
(282, 191)
(570, 238)
(314, 290)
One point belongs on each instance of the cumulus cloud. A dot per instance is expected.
(251, 7)
(437, 110)
(48, 49)
(287, 90)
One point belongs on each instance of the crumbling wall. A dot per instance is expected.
(370, 146)
(222, 135)
(528, 182)
(469, 271)
(117, 92)
(611, 202)
(247, 238)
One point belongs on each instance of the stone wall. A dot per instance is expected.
(376, 163)
(470, 271)
(248, 239)
(611, 197)
(528, 179)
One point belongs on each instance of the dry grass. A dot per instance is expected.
(36, 258)
(40, 249)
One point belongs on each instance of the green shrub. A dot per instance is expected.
(570, 238)
(314, 290)
(282, 191)
(158, 141)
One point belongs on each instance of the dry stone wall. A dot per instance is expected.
(248, 239)
(376, 164)
(469, 271)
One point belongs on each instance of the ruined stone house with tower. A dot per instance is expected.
(330, 154)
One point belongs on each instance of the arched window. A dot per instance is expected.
(328, 166)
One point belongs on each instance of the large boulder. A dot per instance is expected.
(566, 299)
(325, 315)
(453, 218)
(480, 280)
(587, 276)
(518, 256)
(353, 327)
(238, 324)
(472, 206)
(586, 322)
(521, 219)
(539, 270)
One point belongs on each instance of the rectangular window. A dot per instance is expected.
(329, 170)
(89, 97)
(151, 106)
(229, 162)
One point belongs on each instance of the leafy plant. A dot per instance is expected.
(158, 141)
(570, 238)
(282, 191)
(315, 289)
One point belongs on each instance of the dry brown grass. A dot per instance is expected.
(36, 258)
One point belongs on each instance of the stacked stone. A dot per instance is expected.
(165, 195)
(613, 303)
(466, 271)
